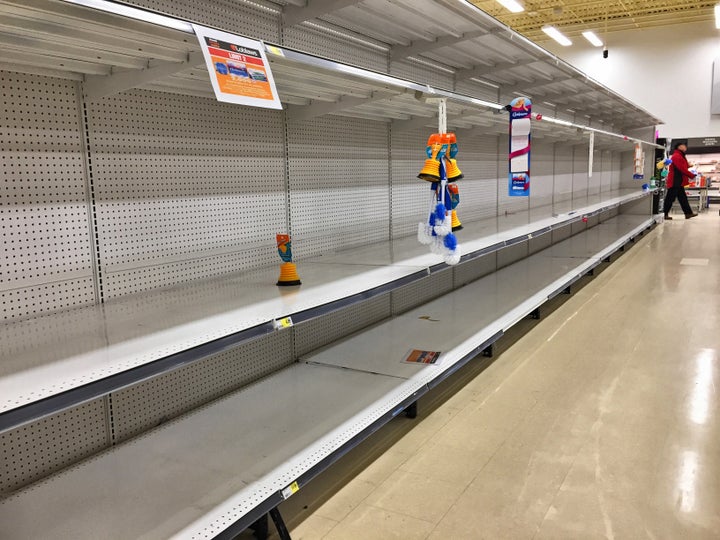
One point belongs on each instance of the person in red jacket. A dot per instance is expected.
(679, 176)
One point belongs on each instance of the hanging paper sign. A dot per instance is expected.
(519, 160)
(239, 70)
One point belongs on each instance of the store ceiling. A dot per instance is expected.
(111, 52)
(572, 17)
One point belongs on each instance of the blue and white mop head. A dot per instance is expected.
(451, 250)
(425, 233)
(444, 227)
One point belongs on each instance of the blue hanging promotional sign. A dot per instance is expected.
(519, 152)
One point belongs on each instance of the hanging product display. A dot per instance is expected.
(638, 162)
(519, 161)
(436, 231)
(288, 271)
(454, 201)
(454, 174)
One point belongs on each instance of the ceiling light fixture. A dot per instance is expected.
(511, 5)
(592, 38)
(717, 16)
(558, 36)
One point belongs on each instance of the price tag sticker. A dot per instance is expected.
(291, 490)
(287, 322)
(277, 51)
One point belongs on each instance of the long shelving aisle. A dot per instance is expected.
(216, 468)
(142, 327)
(74, 355)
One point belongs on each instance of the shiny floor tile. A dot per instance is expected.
(416, 495)
(372, 523)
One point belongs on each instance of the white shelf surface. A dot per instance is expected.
(457, 322)
(207, 469)
(51, 354)
(237, 451)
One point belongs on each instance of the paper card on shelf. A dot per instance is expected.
(239, 70)
(416, 356)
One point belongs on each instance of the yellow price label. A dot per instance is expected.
(277, 51)
(292, 489)
(285, 323)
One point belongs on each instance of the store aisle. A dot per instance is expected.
(602, 422)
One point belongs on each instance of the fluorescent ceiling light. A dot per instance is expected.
(557, 35)
(511, 5)
(717, 16)
(592, 38)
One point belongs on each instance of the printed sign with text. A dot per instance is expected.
(238, 68)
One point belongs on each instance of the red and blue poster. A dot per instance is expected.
(519, 161)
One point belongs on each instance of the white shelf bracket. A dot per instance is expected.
(485, 69)
(294, 14)
(419, 122)
(306, 112)
(442, 115)
(532, 86)
(442, 112)
(399, 52)
(97, 86)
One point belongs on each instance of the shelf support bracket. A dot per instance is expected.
(412, 410)
(418, 47)
(97, 86)
(479, 71)
(300, 112)
(420, 122)
(313, 9)
(533, 85)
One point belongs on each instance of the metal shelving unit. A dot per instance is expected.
(108, 70)
(306, 414)
(114, 47)
(82, 354)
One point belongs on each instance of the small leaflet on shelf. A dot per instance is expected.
(416, 356)
(239, 70)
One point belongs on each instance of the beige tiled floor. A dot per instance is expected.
(601, 422)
